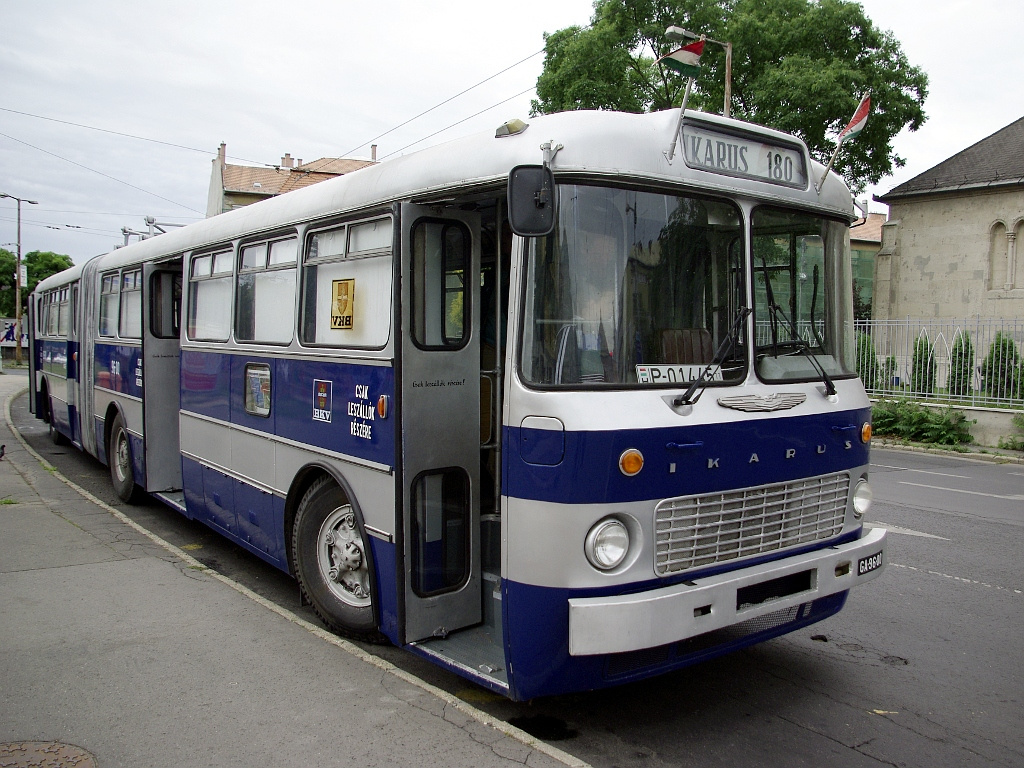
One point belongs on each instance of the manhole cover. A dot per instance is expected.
(44, 754)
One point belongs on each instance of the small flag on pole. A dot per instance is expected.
(852, 129)
(858, 121)
(685, 60)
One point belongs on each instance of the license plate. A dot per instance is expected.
(868, 564)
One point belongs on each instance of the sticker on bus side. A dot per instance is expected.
(673, 374)
(343, 293)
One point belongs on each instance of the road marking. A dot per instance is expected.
(905, 531)
(1017, 497)
(923, 471)
(961, 579)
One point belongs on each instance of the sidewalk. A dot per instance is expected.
(139, 656)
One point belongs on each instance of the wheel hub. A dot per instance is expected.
(341, 557)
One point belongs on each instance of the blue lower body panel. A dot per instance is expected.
(537, 636)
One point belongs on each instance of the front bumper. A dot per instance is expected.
(617, 624)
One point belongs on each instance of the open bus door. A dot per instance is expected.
(33, 361)
(440, 421)
(161, 365)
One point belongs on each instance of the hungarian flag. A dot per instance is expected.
(685, 60)
(858, 121)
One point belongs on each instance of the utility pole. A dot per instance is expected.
(17, 279)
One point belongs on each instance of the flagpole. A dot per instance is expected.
(679, 124)
(820, 184)
(855, 126)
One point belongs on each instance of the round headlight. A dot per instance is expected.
(607, 544)
(862, 496)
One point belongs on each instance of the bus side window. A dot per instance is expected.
(440, 258)
(130, 326)
(210, 297)
(347, 286)
(109, 305)
(266, 292)
(165, 311)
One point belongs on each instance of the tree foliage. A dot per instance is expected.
(38, 264)
(798, 65)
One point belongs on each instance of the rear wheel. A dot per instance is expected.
(332, 561)
(119, 454)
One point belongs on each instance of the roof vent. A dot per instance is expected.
(511, 128)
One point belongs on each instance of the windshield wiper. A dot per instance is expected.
(723, 351)
(776, 314)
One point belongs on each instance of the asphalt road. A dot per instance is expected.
(922, 668)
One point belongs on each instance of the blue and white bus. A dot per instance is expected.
(547, 406)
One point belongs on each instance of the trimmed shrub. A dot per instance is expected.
(1001, 370)
(922, 367)
(961, 366)
(867, 360)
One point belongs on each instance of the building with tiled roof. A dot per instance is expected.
(234, 186)
(950, 248)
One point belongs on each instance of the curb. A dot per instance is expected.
(976, 454)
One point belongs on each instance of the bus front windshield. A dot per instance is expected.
(803, 301)
(634, 288)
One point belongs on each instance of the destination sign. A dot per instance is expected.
(743, 156)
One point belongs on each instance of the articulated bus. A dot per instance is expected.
(553, 407)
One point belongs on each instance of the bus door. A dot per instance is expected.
(33, 361)
(440, 429)
(161, 364)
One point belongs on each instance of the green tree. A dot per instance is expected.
(38, 264)
(798, 65)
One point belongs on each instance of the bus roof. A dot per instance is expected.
(593, 143)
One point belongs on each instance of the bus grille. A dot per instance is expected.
(694, 531)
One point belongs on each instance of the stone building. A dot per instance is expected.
(233, 186)
(950, 248)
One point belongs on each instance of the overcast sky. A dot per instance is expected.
(322, 78)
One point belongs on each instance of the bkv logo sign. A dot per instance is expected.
(323, 399)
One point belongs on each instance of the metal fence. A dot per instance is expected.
(975, 362)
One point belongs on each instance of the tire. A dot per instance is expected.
(332, 562)
(55, 435)
(119, 456)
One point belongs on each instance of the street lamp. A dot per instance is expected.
(17, 280)
(678, 34)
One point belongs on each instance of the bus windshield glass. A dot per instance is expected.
(803, 304)
(634, 288)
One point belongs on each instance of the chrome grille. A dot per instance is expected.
(694, 531)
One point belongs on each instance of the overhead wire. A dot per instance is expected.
(457, 122)
(101, 173)
(450, 98)
(128, 135)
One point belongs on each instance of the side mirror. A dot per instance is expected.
(531, 200)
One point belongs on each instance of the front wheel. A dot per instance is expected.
(332, 562)
(119, 454)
